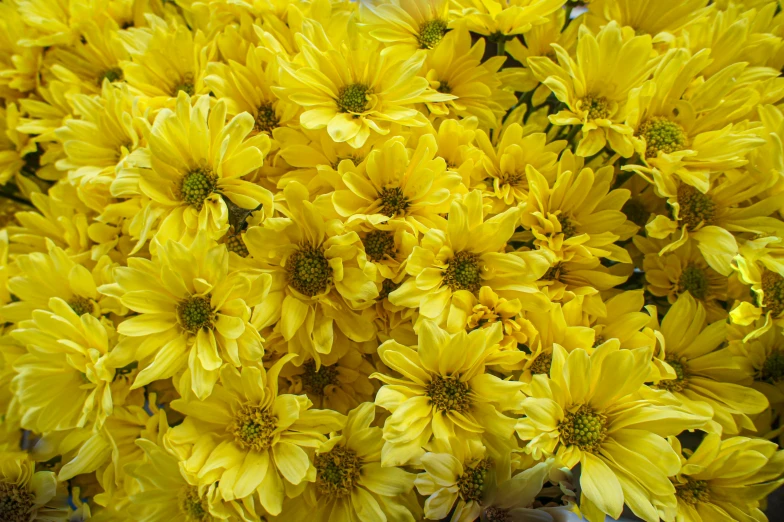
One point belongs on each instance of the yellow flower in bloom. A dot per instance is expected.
(608, 428)
(18, 63)
(193, 312)
(624, 322)
(350, 482)
(249, 439)
(760, 264)
(406, 25)
(595, 86)
(315, 281)
(351, 90)
(463, 259)
(486, 308)
(444, 391)
(725, 480)
(497, 18)
(706, 373)
(660, 19)
(193, 160)
(27, 495)
(761, 357)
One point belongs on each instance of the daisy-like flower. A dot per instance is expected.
(193, 312)
(406, 25)
(351, 90)
(625, 322)
(760, 265)
(18, 63)
(662, 20)
(193, 160)
(595, 86)
(726, 480)
(464, 258)
(400, 183)
(248, 438)
(706, 373)
(315, 281)
(502, 18)
(762, 357)
(608, 428)
(351, 483)
(444, 391)
(486, 309)
(27, 495)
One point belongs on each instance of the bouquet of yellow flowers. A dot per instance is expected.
(391, 260)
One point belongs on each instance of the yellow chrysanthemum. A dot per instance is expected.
(502, 18)
(760, 264)
(406, 25)
(763, 358)
(27, 495)
(660, 19)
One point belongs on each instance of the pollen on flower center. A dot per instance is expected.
(431, 33)
(387, 286)
(196, 186)
(773, 368)
(195, 313)
(695, 207)
(314, 381)
(81, 305)
(597, 107)
(353, 98)
(16, 503)
(681, 380)
(113, 75)
(379, 244)
(542, 364)
(694, 280)
(444, 88)
(266, 119)
(583, 428)
(773, 293)
(470, 484)
(253, 427)
(496, 514)
(567, 227)
(186, 85)
(662, 135)
(337, 471)
(192, 506)
(693, 491)
(462, 272)
(393, 202)
(308, 270)
(236, 244)
(449, 394)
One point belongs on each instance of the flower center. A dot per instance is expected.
(387, 287)
(266, 119)
(471, 483)
(584, 428)
(495, 514)
(554, 273)
(695, 207)
(113, 75)
(193, 506)
(186, 85)
(693, 491)
(695, 281)
(235, 243)
(462, 272)
(661, 135)
(380, 244)
(773, 369)
(81, 305)
(253, 427)
(195, 313)
(393, 202)
(567, 227)
(597, 107)
(681, 380)
(449, 394)
(337, 471)
(16, 503)
(196, 186)
(353, 98)
(309, 271)
(315, 381)
(773, 292)
(542, 364)
(444, 88)
(513, 179)
(431, 33)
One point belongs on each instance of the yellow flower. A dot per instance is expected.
(501, 18)
(444, 391)
(608, 428)
(760, 264)
(351, 90)
(762, 357)
(18, 63)
(625, 322)
(660, 19)
(249, 439)
(406, 25)
(595, 85)
(486, 308)
(726, 480)
(54, 22)
(27, 495)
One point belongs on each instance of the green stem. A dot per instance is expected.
(500, 46)
(573, 132)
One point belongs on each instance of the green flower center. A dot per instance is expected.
(583, 428)
(662, 135)
(772, 369)
(393, 202)
(315, 381)
(380, 244)
(694, 280)
(444, 88)
(431, 33)
(567, 227)
(235, 243)
(114, 74)
(542, 364)
(193, 506)
(496, 514)
(471, 483)
(16, 503)
(196, 186)
(695, 207)
(266, 119)
(337, 471)
(681, 380)
(81, 305)
(308, 270)
(449, 394)
(554, 273)
(693, 491)
(773, 293)
(462, 272)
(195, 313)
(353, 98)
(387, 287)
(186, 85)
(253, 427)
(597, 107)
